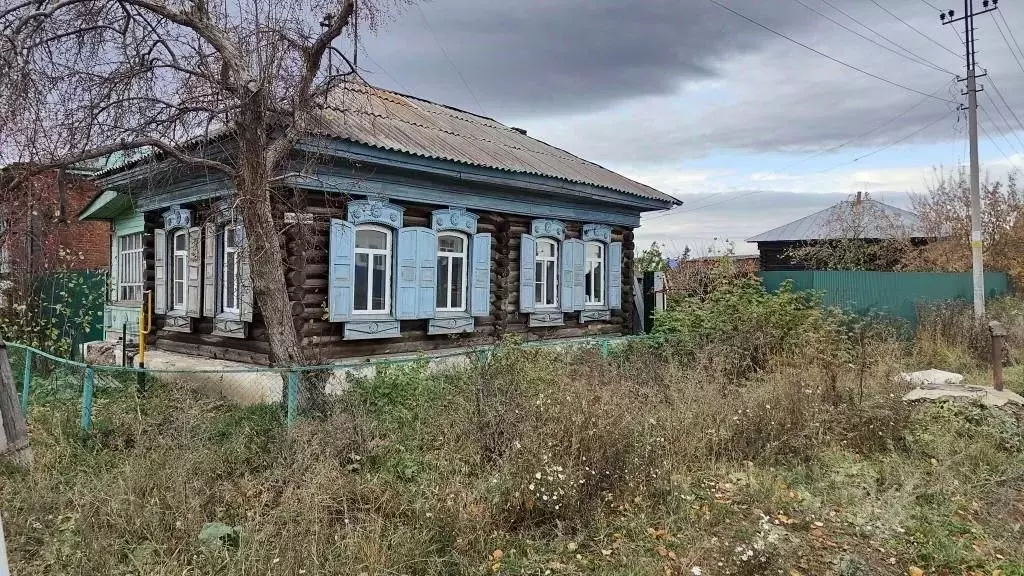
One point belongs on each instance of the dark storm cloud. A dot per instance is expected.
(543, 57)
(608, 80)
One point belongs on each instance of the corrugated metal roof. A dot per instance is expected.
(389, 120)
(368, 115)
(866, 219)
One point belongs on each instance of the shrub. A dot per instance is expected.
(741, 328)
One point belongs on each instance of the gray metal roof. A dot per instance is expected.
(362, 113)
(869, 219)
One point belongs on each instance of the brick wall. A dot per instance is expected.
(43, 230)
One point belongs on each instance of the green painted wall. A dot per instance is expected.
(894, 293)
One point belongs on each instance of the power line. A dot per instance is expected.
(998, 147)
(879, 34)
(1010, 32)
(887, 146)
(913, 59)
(908, 25)
(822, 54)
(934, 7)
(992, 83)
(873, 152)
(1012, 53)
(999, 129)
(863, 135)
(817, 154)
(423, 16)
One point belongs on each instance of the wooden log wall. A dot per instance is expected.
(253, 349)
(305, 243)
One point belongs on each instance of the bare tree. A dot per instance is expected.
(945, 214)
(859, 234)
(224, 86)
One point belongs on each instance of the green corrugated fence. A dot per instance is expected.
(893, 293)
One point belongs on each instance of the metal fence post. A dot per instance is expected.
(26, 381)
(87, 390)
(604, 348)
(293, 398)
(998, 332)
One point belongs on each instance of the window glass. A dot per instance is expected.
(229, 269)
(179, 262)
(594, 273)
(458, 291)
(129, 267)
(443, 273)
(372, 239)
(362, 281)
(546, 290)
(380, 285)
(450, 243)
(372, 290)
(451, 272)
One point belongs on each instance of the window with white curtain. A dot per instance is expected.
(230, 252)
(594, 273)
(451, 272)
(179, 269)
(546, 280)
(129, 267)
(372, 289)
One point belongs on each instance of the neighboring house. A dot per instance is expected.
(39, 233)
(407, 226)
(862, 219)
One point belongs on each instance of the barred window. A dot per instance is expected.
(129, 267)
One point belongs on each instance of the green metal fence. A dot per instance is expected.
(892, 293)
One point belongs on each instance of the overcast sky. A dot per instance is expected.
(750, 130)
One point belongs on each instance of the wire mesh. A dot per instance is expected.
(68, 394)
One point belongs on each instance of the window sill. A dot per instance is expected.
(366, 328)
(544, 318)
(450, 323)
(595, 315)
(227, 324)
(177, 321)
(126, 303)
(374, 317)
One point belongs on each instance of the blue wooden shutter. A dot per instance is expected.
(480, 295)
(416, 285)
(578, 274)
(342, 271)
(160, 279)
(567, 281)
(615, 275)
(527, 272)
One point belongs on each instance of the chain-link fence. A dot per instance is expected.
(72, 393)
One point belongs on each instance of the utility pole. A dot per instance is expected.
(977, 232)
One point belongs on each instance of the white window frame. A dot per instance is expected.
(178, 258)
(130, 266)
(234, 254)
(451, 256)
(542, 279)
(589, 267)
(388, 263)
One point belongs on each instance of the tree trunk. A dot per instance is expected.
(266, 259)
(13, 429)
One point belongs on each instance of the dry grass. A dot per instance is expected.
(644, 462)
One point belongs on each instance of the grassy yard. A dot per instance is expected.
(766, 436)
(535, 463)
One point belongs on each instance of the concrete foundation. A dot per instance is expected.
(246, 384)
